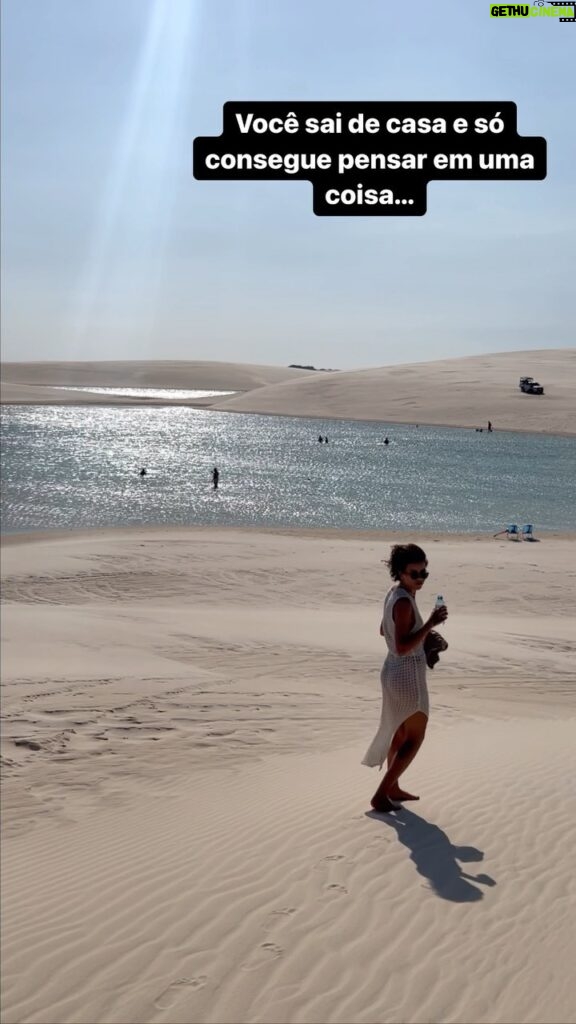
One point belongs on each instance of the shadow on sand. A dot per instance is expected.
(435, 857)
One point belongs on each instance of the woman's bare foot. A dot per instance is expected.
(382, 805)
(400, 794)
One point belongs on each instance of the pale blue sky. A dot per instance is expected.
(111, 250)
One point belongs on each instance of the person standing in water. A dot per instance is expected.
(215, 477)
(405, 701)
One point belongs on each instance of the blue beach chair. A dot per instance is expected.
(510, 531)
(528, 532)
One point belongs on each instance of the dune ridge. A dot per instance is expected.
(34, 383)
(462, 392)
(169, 373)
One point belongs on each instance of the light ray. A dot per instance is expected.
(126, 254)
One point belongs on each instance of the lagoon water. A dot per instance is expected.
(169, 393)
(66, 467)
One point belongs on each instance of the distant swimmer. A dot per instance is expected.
(142, 471)
(386, 441)
(215, 477)
(320, 438)
(325, 440)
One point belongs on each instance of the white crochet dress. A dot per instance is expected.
(403, 678)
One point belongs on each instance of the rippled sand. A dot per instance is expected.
(187, 835)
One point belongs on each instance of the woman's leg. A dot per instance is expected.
(397, 741)
(395, 745)
(412, 736)
(396, 793)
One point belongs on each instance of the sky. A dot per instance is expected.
(112, 250)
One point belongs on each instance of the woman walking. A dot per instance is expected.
(405, 703)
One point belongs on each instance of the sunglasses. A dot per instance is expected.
(423, 574)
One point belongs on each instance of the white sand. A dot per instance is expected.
(452, 392)
(27, 383)
(189, 842)
(465, 392)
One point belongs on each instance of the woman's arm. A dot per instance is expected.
(403, 615)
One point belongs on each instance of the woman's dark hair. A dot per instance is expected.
(402, 555)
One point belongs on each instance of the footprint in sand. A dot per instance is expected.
(333, 858)
(30, 744)
(265, 954)
(278, 917)
(171, 994)
(334, 865)
(380, 839)
(336, 890)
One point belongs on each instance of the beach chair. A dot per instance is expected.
(528, 532)
(510, 531)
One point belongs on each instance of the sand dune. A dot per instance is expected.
(186, 836)
(465, 392)
(26, 383)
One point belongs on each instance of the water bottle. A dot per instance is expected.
(440, 602)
